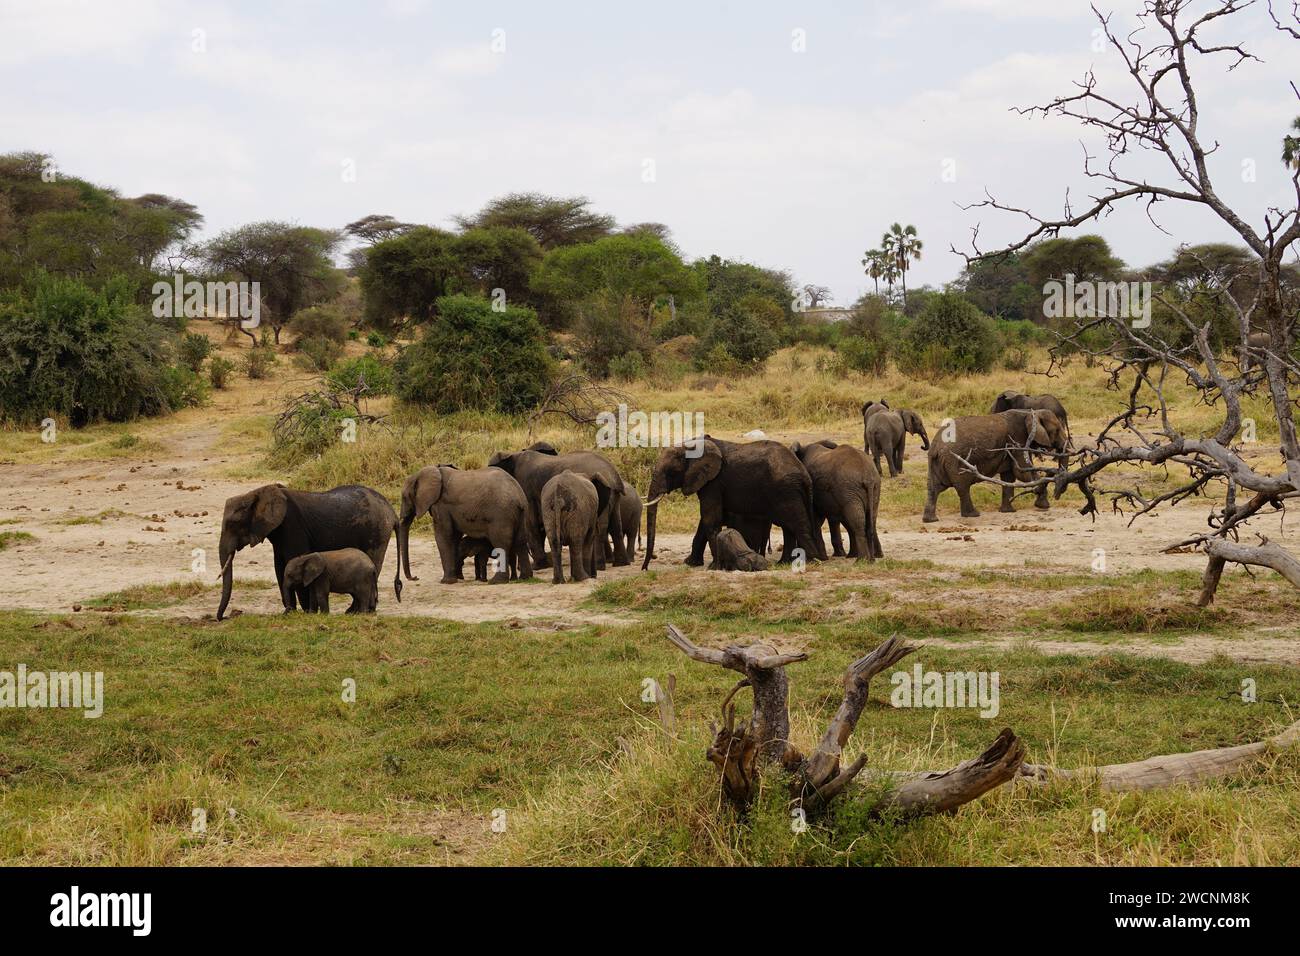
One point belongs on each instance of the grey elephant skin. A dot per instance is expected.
(312, 578)
(534, 466)
(300, 522)
(732, 553)
(846, 491)
(1011, 399)
(759, 483)
(869, 411)
(992, 443)
(483, 503)
(886, 436)
(632, 507)
(571, 506)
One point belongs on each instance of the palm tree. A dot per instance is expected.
(902, 244)
(1291, 146)
(874, 261)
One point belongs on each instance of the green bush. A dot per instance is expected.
(368, 370)
(376, 340)
(870, 356)
(319, 323)
(259, 361)
(605, 329)
(84, 354)
(318, 355)
(183, 387)
(628, 367)
(746, 338)
(219, 370)
(950, 336)
(194, 348)
(473, 357)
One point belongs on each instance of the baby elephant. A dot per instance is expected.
(311, 578)
(570, 503)
(731, 553)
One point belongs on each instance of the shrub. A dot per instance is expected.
(368, 370)
(318, 355)
(183, 387)
(628, 367)
(219, 370)
(718, 361)
(259, 361)
(376, 340)
(746, 338)
(473, 357)
(606, 328)
(85, 354)
(194, 348)
(870, 356)
(950, 336)
(320, 323)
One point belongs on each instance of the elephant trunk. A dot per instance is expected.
(651, 513)
(227, 554)
(404, 543)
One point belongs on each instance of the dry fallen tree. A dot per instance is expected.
(742, 752)
(1161, 117)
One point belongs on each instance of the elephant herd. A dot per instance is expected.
(523, 502)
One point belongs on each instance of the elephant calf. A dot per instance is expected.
(731, 553)
(630, 508)
(887, 435)
(570, 505)
(1011, 399)
(312, 578)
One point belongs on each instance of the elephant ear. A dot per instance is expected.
(1036, 434)
(313, 566)
(545, 447)
(828, 443)
(269, 510)
(700, 471)
(501, 459)
(797, 448)
(603, 492)
(428, 488)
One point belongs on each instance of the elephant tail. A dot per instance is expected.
(397, 577)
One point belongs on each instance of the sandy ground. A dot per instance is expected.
(149, 517)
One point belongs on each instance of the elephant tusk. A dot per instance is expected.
(653, 501)
(226, 565)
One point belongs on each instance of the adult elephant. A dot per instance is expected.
(300, 522)
(887, 435)
(756, 483)
(998, 446)
(482, 503)
(534, 466)
(846, 491)
(1047, 403)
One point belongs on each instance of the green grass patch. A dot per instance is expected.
(11, 538)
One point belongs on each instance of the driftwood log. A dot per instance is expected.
(742, 752)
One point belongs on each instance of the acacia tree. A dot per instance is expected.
(1161, 115)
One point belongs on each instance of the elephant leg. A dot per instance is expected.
(286, 594)
(577, 557)
(321, 599)
(615, 528)
(837, 541)
(855, 522)
(524, 559)
(448, 552)
(932, 489)
(896, 463)
(968, 509)
(500, 542)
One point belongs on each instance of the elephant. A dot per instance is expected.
(732, 553)
(313, 577)
(300, 522)
(846, 490)
(480, 549)
(632, 507)
(887, 435)
(988, 443)
(571, 508)
(479, 503)
(534, 466)
(869, 411)
(758, 482)
(1012, 399)
(1256, 342)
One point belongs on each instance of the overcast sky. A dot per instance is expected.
(759, 151)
